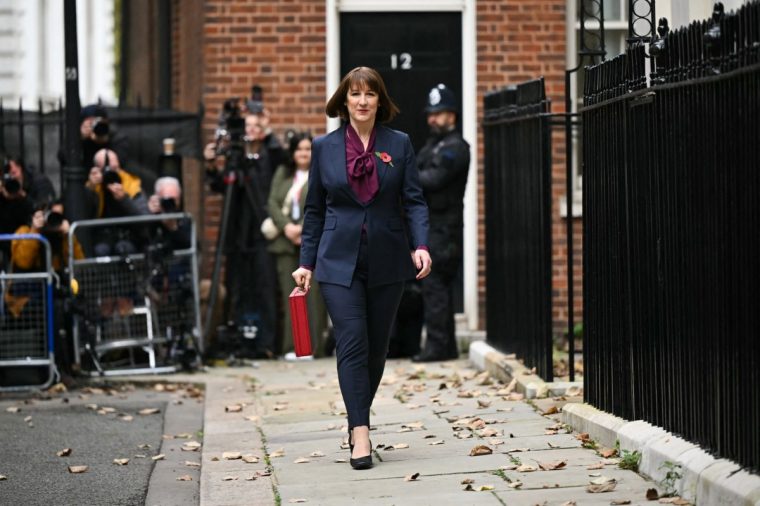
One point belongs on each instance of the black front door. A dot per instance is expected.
(412, 51)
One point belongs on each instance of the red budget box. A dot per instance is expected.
(299, 318)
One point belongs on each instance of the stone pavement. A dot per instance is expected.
(287, 423)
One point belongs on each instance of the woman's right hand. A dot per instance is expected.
(302, 277)
(293, 232)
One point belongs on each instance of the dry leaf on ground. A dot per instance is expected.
(400, 446)
(552, 466)
(598, 465)
(301, 460)
(191, 446)
(148, 411)
(160, 456)
(64, 453)
(480, 450)
(121, 462)
(278, 453)
(229, 478)
(297, 500)
(233, 408)
(3, 477)
(317, 454)
(250, 459)
(652, 494)
(602, 484)
(526, 468)
(437, 442)
(483, 404)
(674, 500)
(190, 463)
(551, 410)
(618, 502)
(608, 452)
(569, 503)
(78, 469)
(231, 455)
(13, 409)
(185, 477)
(126, 418)
(515, 484)
(412, 477)
(467, 481)
(484, 488)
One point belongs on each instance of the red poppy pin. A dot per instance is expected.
(384, 157)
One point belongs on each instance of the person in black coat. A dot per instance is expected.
(443, 165)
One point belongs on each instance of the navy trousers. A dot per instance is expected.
(362, 318)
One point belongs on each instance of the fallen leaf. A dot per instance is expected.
(278, 453)
(515, 484)
(160, 456)
(489, 432)
(568, 503)
(483, 404)
(144, 446)
(467, 481)
(484, 488)
(301, 460)
(148, 411)
(190, 463)
(126, 418)
(121, 462)
(438, 442)
(93, 407)
(340, 461)
(652, 494)
(480, 450)
(412, 477)
(597, 489)
(552, 466)
(602, 480)
(495, 442)
(13, 409)
(250, 459)
(191, 446)
(229, 478)
(298, 500)
(78, 469)
(552, 410)
(608, 452)
(515, 396)
(231, 455)
(280, 407)
(583, 436)
(674, 500)
(400, 446)
(510, 467)
(28, 418)
(64, 453)
(316, 454)
(414, 425)
(251, 478)
(526, 468)
(233, 408)
(617, 502)
(429, 436)
(265, 472)
(185, 477)
(256, 418)
(598, 465)
(3, 477)
(183, 435)
(58, 388)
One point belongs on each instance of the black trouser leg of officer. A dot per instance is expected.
(437, 294)
(362, 317)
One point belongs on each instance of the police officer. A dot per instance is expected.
(443, 163)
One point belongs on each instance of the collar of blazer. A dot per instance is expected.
(383, 140)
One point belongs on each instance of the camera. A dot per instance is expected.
(11, 185)
(111, 176)
(53, 220)
(100, 126)
(168, 205)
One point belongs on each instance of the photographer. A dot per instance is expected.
(113, 193)
(15, 205)
(96, 133)
(238, 165)
(168, 199)
(28, 255)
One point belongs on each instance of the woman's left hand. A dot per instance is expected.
(422, 261)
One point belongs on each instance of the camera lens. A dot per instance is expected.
(100, 127)
(54, 220)
(110, 176)
(11, 185)
(168, 205)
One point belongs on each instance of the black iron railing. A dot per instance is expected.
(518, 224)
(670, 245)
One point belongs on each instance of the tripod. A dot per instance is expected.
(234, 178)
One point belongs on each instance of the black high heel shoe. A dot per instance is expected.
(361, 462)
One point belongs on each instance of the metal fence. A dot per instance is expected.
(26, 323)
(518, 223)
(671, 244)
(137, 311)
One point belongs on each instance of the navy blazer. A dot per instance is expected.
(334, 216)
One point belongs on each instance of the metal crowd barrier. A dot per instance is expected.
(27, 359)
(136, 313)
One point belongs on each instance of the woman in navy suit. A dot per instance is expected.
(365, 232)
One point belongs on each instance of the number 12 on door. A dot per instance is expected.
(402, 61)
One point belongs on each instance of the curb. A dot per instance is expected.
(703, 480)
(506, 368)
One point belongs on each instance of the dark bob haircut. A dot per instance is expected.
(358, 78)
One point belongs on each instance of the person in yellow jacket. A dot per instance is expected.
(114, 193)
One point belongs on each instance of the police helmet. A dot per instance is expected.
(441, 98)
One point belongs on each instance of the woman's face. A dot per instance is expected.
(253, 128)
(362, 104)
(302, 154)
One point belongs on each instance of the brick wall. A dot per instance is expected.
(278, 44)
(517, 41)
